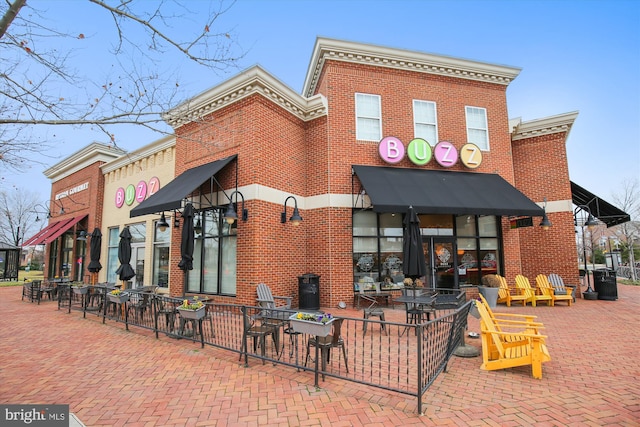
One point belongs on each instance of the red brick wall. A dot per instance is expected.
(542, 171)
(84, 202)
(314, 158)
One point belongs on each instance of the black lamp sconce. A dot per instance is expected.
(197, 228)
(162, 225)
(295, 218)
(545, 223)
(46, 208)
(82, 236)
(230, 215)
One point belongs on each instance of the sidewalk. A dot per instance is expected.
(112, 377)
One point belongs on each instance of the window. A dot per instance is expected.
(479, 254)
(377, 247)
(161, 256)
(425, 121)
(477, 129)
(112, 254)
(214, 255)
(368, 117)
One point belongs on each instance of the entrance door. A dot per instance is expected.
(440, 255)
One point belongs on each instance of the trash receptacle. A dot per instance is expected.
(309, 291)
(604, 283)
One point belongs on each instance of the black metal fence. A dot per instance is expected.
(399, 357)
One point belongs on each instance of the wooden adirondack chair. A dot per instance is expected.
(505, 293)
(268, 300)
(560, 288)
(523, 283)
(523, 322)
(543, 283)
(501, 350)
(272, 309)
(515, 319)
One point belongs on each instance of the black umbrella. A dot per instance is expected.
(186, 246)
(95, 246)
(125, 271)
(413, 264)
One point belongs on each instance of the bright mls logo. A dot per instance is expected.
(34, 415)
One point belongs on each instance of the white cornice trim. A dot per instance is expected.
(379, 56)
(94, 152)
(254, 80)
(141, 153)
(544, 126)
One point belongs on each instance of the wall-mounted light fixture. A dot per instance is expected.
(47, 209)
(198, 227)
(162, 225)
(295, 218)
(545, 223)
(61, 208)
(82, 236)
(230, 215)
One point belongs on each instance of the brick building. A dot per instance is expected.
(374, 131)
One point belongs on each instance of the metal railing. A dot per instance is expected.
(398, 357)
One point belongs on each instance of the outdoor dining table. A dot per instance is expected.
(413, 299)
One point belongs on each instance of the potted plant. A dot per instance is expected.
(192, 309)
(489, 289)
(118, 296)
(312, 324)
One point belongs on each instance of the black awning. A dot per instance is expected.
(170, 196)
(443, 192)
(599, 208)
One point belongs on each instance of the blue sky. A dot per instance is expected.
(575, 56)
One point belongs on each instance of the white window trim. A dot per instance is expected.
(435, 124)
(379, 118)
(486, 129)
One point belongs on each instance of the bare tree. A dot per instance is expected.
(39, 86)
(18, 216)
(629, 232)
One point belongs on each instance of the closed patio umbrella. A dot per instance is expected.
(186, 246)
(95, 246)
(413, 265)
(125, 271)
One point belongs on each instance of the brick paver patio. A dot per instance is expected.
(111, 377)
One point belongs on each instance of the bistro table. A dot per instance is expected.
(413, 301)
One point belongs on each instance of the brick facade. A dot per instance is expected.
(304, 146)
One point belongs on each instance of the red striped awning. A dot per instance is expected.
(52, 231)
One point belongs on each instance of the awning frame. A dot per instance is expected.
(191, 196)
(601, 209)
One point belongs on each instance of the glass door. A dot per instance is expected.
(137, 262)
(441, 259)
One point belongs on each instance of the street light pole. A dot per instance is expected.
(590, 223)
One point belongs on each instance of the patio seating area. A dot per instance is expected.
(110, 376)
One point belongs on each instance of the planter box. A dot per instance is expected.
(118, 299)
(82, 290)
(309, 327)
(192, 314)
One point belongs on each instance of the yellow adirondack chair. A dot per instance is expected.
(501, 350)
(505, 293)
(525, 286)
(527, 320)
(543, 283)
